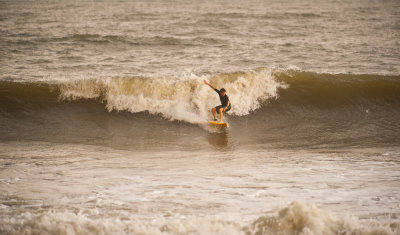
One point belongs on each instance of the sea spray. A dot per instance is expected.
(183, 98)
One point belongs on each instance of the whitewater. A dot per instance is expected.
(184, 98)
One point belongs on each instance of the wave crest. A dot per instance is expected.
(185, 98)
(307, 219)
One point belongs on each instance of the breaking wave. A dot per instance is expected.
(296, 218)
(186, 98)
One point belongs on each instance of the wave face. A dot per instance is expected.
(263, 100)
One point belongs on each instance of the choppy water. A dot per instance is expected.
(103, 117)
(72, 39)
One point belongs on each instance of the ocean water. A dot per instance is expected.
(103, 117)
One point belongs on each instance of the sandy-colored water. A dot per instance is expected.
(61, 188)
(103, 117)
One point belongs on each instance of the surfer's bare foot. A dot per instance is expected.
(215, 119)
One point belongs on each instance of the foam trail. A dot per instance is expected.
(185, 98)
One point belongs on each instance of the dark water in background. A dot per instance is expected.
(103, 117)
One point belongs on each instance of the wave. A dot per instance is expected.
(296, 218)
(186, 98)
(97, 39)
(285, 108)
(269, 15)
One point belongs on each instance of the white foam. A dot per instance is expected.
(185, 98)
(296, 218)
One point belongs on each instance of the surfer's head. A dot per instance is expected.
(223, 91)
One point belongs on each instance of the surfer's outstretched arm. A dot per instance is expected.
(207, 83)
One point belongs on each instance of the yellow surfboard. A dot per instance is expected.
(219, 124)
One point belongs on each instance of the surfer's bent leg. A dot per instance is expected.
(221, 113)
(215, 110)
(214, 113)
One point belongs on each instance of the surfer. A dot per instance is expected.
(225, 103)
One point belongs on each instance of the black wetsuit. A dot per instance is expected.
(224, 101)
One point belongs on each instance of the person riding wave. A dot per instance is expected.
(225, 103)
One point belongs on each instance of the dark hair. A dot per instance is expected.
(222, 89)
